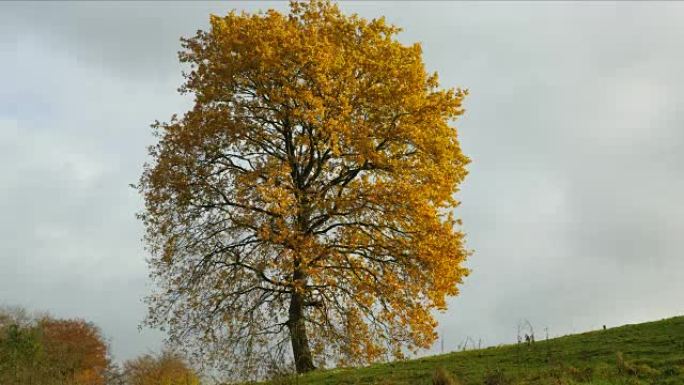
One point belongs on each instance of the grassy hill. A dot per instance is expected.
(648, 353)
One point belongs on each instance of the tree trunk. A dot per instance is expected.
(300, 342)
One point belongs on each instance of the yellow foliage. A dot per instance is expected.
(166, 369)
(318, 162)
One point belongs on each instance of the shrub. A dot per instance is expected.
(623, 366)
(580, 375)
(644, 370)
(442, 377)
(496, 377)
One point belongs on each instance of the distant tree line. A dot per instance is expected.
(43, 350)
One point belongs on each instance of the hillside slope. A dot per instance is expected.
(648, 353)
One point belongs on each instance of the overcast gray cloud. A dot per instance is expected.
(575, 125)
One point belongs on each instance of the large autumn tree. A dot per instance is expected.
(306, 199)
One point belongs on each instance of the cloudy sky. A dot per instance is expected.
(575, 125)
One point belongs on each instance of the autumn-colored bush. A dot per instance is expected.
(442, 377)
(167, 368)
(580, 374)
(623, 366)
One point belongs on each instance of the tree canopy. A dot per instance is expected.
(167, 368)
(50, 351)
(306, 200)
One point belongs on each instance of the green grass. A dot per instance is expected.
(648, 353)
